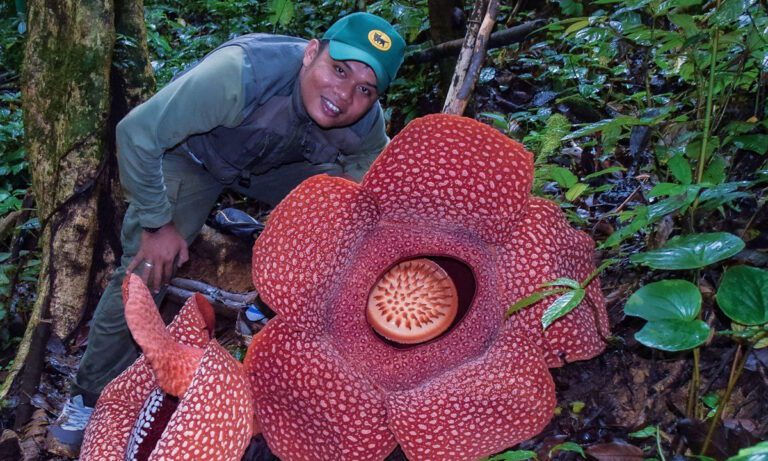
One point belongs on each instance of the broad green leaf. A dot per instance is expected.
(743, 295)
(516, 455)
(680, 169)
(673, 335)
(665, 300)
(563, 177)
(669, 205)
(574, 192)
(757, 143)
(664, 189)
(281, 12)
(729, 11)
(691, 251)
(562, 306)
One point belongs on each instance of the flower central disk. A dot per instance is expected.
(413, 302)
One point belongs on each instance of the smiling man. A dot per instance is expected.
(258, 115)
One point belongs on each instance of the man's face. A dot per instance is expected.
(335, 93)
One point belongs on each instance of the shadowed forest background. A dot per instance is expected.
(649, 126)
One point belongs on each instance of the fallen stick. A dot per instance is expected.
(224, 303)
(498, 39)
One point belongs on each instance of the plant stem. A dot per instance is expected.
(658, 444)
(708, 111)
(690, 409)
(738, 367)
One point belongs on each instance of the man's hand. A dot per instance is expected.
(159, 252)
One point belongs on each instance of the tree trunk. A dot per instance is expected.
(472, 56)
(447, 22)
(76, 84)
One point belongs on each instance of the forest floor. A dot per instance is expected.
(601, 402)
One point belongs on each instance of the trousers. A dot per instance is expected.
(192, 193)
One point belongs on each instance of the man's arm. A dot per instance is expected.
(209, 95)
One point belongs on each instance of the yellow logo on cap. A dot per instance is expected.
(379, 40)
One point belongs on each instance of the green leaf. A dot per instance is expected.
(568, 446)
(563, 177)
(644, 433)
(574, 192)
(516, 455)
(686, 23)
(602, 125)
(665, 300)
(576, 26)
(562, 281)
(281, 12)
(715, 172)
(743, 295)
(711, 400)
(757, 452)
(680, 169)
(673, 335)
(562, 306)
(604, 171)
(531, 299)
(691, 251)
(757, 143)
(664, 189)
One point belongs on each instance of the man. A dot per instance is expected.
(259, 114)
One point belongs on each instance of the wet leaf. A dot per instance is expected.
(673, 335)
(691, 251)
(757, 143)
(665, 300)
(743, 295)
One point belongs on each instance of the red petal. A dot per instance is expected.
(173, 363)
(480, 408)
(121, 401)
(309, 403)
(453, 170)
(214, 420)
(309, 239)
(545, 248)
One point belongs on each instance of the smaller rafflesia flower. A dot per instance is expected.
(185, 398)
(391, 298)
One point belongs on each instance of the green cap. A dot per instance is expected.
(369, 39)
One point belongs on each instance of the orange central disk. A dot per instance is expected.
(413, 302)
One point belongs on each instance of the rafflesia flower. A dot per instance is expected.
(391, 298)
(186, 398)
